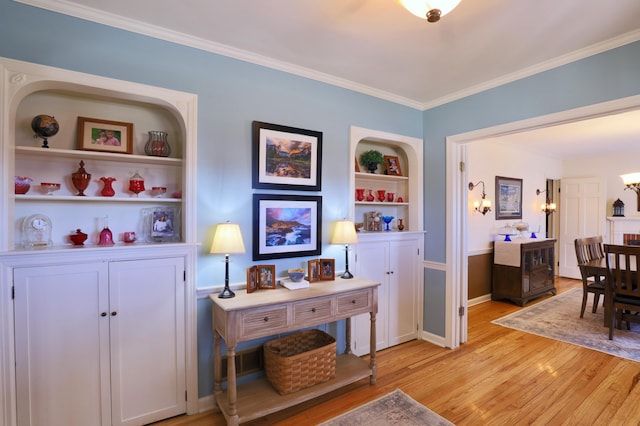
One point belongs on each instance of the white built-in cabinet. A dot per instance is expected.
(392, 258)
(95, 335)
(96, 343)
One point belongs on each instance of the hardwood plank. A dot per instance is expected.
(499, 377)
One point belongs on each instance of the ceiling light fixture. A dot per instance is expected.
(431, 10)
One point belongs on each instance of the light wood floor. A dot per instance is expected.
(499, 377)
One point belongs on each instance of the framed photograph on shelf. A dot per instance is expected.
(327, 269)
(266, 275)
(286, 226)
(105, 135)
(161, 224)
(252, 279)
(508, 198)
(313, 270)
(392, 165)
(286, 158)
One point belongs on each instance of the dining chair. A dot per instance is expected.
(587, 250)
(622, 295)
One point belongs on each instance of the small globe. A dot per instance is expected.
(44, 126)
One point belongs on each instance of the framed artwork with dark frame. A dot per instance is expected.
(266, 275)
(327, 269)
(286, 226)
(252, 279)
(105, 135)
(508, 198)
(313, 270)
(392, 165)
(286, 158)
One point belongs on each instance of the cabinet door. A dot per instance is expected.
(62, 365)
(372, 262)
(147, 340)
(403, 292)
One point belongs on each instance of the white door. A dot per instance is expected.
(62, 338)
(582, 214)
(403, 276)
(372, 262)
(147, 340)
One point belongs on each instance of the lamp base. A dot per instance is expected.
(346, 275)
(226, 293)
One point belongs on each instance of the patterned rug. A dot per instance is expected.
(559, 318)
(395, 408)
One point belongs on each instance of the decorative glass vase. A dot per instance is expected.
(108, 190)
(157, 145)
(136, 184)
(80, 179)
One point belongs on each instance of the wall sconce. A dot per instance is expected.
(484, 205)
(344, 232)
(226, 240)
(547, 207)
(632, 182)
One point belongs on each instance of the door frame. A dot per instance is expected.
(456, 331)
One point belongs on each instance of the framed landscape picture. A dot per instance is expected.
(286, 226)
(508, 198)
(286, 158)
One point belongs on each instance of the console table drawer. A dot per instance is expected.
(354, 302)
(263, 322)
(314, 310)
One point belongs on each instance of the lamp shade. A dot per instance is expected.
(227, 239)
(421, 8)
(344, 232)
(631, 178)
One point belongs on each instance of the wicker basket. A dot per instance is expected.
(300, 360)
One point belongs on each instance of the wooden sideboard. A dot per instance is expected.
(523, 269)
(271, 312)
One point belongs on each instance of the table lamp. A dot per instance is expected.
(344, 232)
(227, 239)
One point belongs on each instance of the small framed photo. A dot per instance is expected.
(266, 275)
(105, 135)
(327, 270)
(286, 157)
(508, 198)
(161, 224)
(313, 267)
(392, 165)
(252, 279)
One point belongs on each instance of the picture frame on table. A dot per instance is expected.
(508, 198)
(327, 269)
(286, 226)
(313, 270)
(95, 134)
(266, 276)
(392, 165)
(252, 279)
(286, 158)
(161, 224)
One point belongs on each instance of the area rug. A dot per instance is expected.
(395, 408)
(559, 318)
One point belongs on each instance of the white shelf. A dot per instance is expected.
(94, 155)
(84, 199)
(381, 203)
(378, 177)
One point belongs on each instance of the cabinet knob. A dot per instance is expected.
(391, 272)
(114, 313)
(103, 314)
(266, 319)
(313, 310)
(353, 302)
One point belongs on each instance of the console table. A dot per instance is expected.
(270, 312)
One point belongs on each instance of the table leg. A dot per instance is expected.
(348, 336)
(217, 367)
(231, 386)
(372, 350)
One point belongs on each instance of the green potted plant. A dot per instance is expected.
(371, 159)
